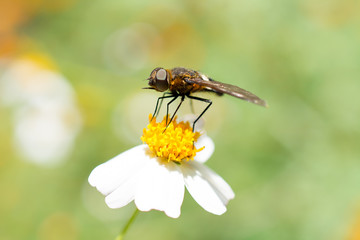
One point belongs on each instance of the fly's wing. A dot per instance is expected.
(228, 89)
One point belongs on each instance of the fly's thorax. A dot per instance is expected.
(182, 87)
(180, 81)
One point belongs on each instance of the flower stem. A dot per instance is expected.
(128, 224)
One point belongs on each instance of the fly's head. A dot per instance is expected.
(159, 79)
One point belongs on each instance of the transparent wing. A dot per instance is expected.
(228, 89)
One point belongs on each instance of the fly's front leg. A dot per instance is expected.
(172, 118)
(167, 109)
(158, 107)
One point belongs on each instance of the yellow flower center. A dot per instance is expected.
(176, 143)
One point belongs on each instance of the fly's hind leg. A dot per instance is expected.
(192, 106)
(206, 108)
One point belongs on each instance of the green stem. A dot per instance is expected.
(128, 224)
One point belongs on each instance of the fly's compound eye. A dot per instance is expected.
(161, 74)
(161, 80)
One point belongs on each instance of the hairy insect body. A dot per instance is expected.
(179, 83)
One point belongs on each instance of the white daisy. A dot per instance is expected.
(154, 174)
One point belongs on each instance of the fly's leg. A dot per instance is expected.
(192, 106)
(157, 107)
(207, 107)
(172, 118)
(167, 110)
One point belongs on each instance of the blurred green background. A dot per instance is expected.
(71, 74)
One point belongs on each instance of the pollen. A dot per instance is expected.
(174, 143)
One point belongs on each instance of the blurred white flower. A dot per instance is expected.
(45, 133)
(154, 174)
(45, 113)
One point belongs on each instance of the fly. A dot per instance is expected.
(182, 82)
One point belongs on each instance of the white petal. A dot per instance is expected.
(124, 194)
(206, 153)
(208, 189)
(161, 187)
(113, 173)
(223, 189)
